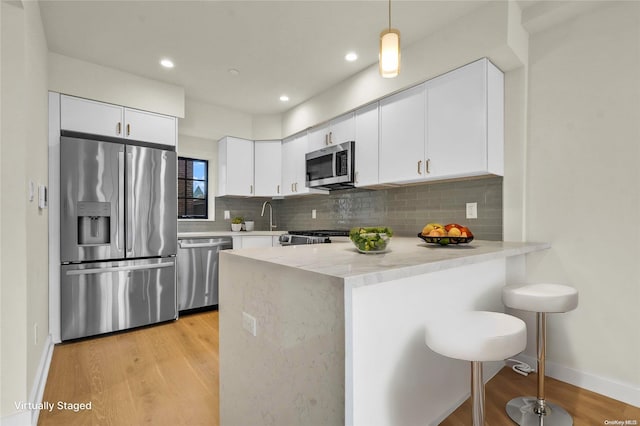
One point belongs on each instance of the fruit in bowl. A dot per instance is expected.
(371, 239)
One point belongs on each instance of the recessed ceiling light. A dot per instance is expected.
(284, 98)
(167, 63)
(351, 56)
(234, 71)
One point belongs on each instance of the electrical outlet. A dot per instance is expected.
(227, 214)
(313, 214)
(249, 323)
(472, 210)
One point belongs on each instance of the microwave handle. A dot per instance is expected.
(335, 160)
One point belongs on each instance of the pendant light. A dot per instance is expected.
(389, 51)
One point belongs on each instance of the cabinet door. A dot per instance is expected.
(366, 138)
(402, 136)
(457, 122)
(97, 118)
(150, 127)
(318, 137)
(342, 129)
(235, 166)
(268, 168)
(289, 167)
(256, 241)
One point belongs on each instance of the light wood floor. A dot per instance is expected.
(168, 375)
(160, 375)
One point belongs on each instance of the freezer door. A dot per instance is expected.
(198, 271)
(152, 207)
(98, 298)
(91, 200)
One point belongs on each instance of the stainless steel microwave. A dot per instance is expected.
(331, 167)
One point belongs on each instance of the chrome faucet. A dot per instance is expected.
(271, 225)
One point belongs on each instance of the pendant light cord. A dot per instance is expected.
(389, 15)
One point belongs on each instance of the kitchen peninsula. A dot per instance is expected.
(339, 334)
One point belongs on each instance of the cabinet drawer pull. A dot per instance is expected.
(420, 167)
(427, 166)
(119, 128)
(128, 129)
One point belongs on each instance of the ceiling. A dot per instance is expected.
(279, 47)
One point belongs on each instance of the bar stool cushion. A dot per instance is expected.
(476, 335)
(540, 297)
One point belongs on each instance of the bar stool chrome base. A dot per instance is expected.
(522, 411)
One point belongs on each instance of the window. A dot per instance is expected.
(192, 188)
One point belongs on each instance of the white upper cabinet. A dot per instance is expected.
(294, 166)
(402, 122)
(465, 122)
(268, 168)
(449, 127)
(366, 137)
(235, 167)
(339, 130)
(150, 127)
(98, 118)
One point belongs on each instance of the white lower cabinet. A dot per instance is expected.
(251, 241)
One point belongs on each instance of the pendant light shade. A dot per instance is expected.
(389, 57)
(389, 53)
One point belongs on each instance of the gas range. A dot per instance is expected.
(320, 236)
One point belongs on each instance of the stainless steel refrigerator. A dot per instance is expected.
(118, 235)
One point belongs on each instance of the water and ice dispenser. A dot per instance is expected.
(94, 223)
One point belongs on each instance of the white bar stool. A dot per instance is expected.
(541, 299)
(477, 336)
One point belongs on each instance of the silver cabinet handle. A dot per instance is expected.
(420, 167)
(119, 268)
(428, 164)
(277, 189)
(250, 189)
(330, 138)
(326, 139)
(119, 128)
(291, 187)
(128, 129)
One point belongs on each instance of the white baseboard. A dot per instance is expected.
(40, 380)
(625, 392)
(29, 417)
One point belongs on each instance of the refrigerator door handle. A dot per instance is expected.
(119, 268)
(120, 201)
(129, 181)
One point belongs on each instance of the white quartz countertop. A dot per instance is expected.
(210, 234)
(405, 257)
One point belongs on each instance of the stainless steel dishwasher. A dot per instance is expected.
(198, 271)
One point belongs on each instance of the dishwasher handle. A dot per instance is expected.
(183, 245)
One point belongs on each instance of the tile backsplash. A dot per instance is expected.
(405, 209)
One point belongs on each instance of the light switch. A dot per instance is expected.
(472, 210)
(313, 214)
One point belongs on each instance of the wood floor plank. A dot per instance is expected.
(168, 375)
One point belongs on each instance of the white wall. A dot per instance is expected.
(583, 186)
(213, 122)
(23, 226)
(492, 31)
(87, 80)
